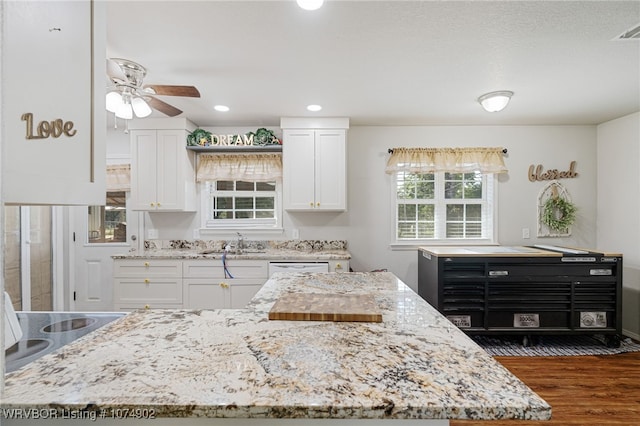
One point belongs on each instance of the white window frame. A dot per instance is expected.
(488, 201)
(210, 227)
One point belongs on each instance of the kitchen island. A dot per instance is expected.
(232, 364)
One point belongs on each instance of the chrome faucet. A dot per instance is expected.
(240, 243)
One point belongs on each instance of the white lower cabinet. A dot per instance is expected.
(152, 284)
(206, 286)
(191, 284)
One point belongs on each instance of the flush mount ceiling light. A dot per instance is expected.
(310, 4)
(495, 101)
(314, 108)
(221, 108)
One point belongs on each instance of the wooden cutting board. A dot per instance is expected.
(326, 307)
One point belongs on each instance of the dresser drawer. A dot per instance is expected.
(213, 268)
(147, 268)
(148, 291)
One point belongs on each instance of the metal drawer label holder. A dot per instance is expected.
(593, 319)
(460, 321)
(526, 320)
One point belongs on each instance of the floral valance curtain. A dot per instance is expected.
(250, 167)
(455, 160)
(118, 177)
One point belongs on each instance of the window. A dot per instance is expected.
(242, 204)
(444, 206)
(108, 224)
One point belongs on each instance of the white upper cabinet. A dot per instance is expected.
(162, 170)
(53, 87)
(314, 166)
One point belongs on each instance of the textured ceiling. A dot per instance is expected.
(387, 62)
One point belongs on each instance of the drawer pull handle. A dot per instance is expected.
(224, 285)
(147, 307)
(152, 204)
(318, 204)
(338, 266)
(498, 273)
(146, 264)
(146, 280)
(311, 204)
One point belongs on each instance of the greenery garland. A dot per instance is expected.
(558, 213)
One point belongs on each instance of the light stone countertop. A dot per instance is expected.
(238, 364)
(295, 250)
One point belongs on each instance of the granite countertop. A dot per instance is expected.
(302, 250)
(238, 364)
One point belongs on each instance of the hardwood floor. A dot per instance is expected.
(582, 390)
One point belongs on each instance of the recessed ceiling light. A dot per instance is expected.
(221, 108)
(310, 4)
(314, 108)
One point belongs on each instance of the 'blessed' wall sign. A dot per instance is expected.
(537, 173)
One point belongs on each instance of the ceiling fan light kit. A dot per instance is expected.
(127, 96)
(495, 101)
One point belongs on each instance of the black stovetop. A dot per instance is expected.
(45, 332)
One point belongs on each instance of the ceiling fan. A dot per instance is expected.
(126, 96)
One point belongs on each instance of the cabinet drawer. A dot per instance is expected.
(213, 268)
(151, 291)
(552, 270)
(523, 319)
(147, 268)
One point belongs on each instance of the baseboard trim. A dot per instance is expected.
(628, 333)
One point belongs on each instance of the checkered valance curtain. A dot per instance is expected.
(454, 160)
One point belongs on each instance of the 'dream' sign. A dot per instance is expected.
(226, 140)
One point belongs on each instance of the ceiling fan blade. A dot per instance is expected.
(114, 70)
(164, 107)
(160, 89)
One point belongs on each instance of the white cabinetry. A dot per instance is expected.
(314, 167)
(149, 284)
(192, 283)
(162, 171)
(206, 287)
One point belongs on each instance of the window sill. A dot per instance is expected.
(414, 245)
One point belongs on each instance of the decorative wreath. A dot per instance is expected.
(558, 213)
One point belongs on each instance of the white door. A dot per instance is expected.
(97, 233)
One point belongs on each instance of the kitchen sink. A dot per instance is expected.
(244, 251)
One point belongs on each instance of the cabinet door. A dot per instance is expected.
(298, 163)
(203, 293)
(143, 169)
(242, 291)
(330, 170)
(169, 175)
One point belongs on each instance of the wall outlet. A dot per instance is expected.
(295, 234)
(525, 233)
(152, 234)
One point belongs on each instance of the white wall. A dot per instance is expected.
(369, 216)
(367, 223)
(618, 208)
